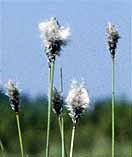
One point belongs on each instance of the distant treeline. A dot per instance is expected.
(94, 125)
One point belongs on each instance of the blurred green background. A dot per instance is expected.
(93, 134)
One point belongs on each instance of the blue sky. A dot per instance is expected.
(23, 60)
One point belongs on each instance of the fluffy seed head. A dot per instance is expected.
(53, 37)
(77, 101)
(57, 102)
(13, 94)
(112, 37)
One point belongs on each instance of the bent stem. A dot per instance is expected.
(113, 109)
(72, 140)
(19, 133)
(51, 78)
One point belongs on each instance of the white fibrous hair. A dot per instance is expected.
(112, 37)
(53, 37)
(77, 101)
(13, 94)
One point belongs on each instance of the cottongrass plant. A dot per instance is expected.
(77, 103)
(58, 106)
(112, 40)
(13, 94)
(54, 37)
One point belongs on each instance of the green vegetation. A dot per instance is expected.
(93, 136)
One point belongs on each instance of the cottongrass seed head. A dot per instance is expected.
(54, 37)
(77, 101)
(57, 102)
(112, 37)
(13, 94)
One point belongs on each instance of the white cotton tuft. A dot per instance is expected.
(111, 29)
(112, 38)
(54, 37)
(51, 31)
(13, 94)
(77, 101)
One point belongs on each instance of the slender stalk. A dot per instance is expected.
(72, 140)
(113, 109)
(19, 133)
(64, 153)
(62, 120)
(63, 138)
(61, 126)
(59, 121)
(1, 146)
(51, 78)
(2, 149)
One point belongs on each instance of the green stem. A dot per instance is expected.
(64, 153)
(19, 133)
(113, 109)
(72, 140)
(51, 78)
(2, 149)
(61, 126)
(63, 138)
(1, 146)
